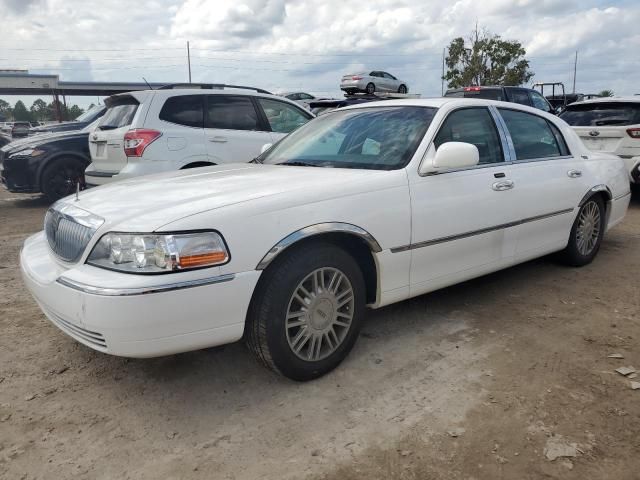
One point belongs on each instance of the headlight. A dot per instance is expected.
(30, 152)
(158, 253)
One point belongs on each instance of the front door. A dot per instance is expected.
(461, 219)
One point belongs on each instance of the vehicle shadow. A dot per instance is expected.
(28, 201)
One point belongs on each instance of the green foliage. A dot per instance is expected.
(39, 110)
(20, 112)
(5, 110)
(74, 112)
(488, 61)
(606, 93)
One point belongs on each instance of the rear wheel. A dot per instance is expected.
(306, 314)
(62, 177)
(402, 89)
(371, 88)
(586, 233)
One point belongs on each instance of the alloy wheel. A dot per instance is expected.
(588, 230)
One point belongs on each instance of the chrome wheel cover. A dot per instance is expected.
(319, 314)
(588, 229)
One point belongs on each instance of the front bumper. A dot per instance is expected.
(137, 315)
(18, 175)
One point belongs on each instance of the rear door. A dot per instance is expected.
(549, 183)
(282, 117)
(603, 126)
(234, 129)
(106, 140)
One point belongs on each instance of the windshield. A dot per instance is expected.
(602, 114)
(89, 114)
(377, 138)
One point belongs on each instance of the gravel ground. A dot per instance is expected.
(506, 376)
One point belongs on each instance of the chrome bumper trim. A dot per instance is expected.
(125, 292)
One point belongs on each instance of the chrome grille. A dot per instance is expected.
(69, 230)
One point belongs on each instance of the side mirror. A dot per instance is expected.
(451, 155)
(265, 147)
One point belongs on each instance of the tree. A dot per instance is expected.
(606, 93)
(20, 112)
(39, 110)
(488, 60)
(5, 109)
(74, 112)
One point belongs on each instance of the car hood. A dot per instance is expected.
(152, 202)
(39, 140)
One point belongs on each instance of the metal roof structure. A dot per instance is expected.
(24, 83)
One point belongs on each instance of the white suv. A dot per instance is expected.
(178, 127)
(609, 125)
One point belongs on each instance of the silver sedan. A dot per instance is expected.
(372, 82)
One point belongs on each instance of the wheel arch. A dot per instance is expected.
(196, 164)
(355, 240)
(604, 192)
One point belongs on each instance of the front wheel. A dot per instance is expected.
(586, 233)
(402, 89)
(306, 314)
(62, 177)
(370, 89)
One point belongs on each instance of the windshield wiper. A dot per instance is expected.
(298, 163)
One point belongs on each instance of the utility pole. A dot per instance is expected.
(442, 79)
(575, 67)
(189, 60)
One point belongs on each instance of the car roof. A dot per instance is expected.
(628, 99)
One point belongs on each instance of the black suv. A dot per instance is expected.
(524, 96)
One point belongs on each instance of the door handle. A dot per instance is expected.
(574, 173)
(502, 186)
(218, 139)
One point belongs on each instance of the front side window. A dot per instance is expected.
(184, 110)
(231, 112)
(539, 101)
(532, 135)
(282, 117)
(602, 114)
(475, 126)
(375, 138)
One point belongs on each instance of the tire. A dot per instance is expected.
(402, 89)
(303, 346)
(61, 177)
(370, 89)
(585, 240)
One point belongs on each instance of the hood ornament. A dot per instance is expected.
(77, 191)
(594, 133)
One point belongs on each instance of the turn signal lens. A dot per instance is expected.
(202, 259)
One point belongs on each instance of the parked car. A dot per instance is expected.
(320, 107)
(172, 129)
(521, 95)
(4, 139)
(50, 164)
(300, 97)
(609, 124)
(79, 123)
(365, 206)
(371, 82)
(19, 129)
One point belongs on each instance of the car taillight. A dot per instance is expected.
(135, 141)
(633, 132)
(471, 89)
(355, 77)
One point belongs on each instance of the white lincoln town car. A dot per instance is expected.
(362, 207)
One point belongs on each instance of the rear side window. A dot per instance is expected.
(282, 117)
(119, 114)
(532, 136)
(475, 126)
(184, 110)
(519, 96)
(231, 113)
(602, 114)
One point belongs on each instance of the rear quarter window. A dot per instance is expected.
(602, 114)
(184, 110)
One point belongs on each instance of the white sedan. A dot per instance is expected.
(362, 207)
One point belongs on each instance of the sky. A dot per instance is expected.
(304, 45)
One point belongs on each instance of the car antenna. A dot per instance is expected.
(148, 84)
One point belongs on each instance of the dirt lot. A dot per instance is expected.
(485, 380)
